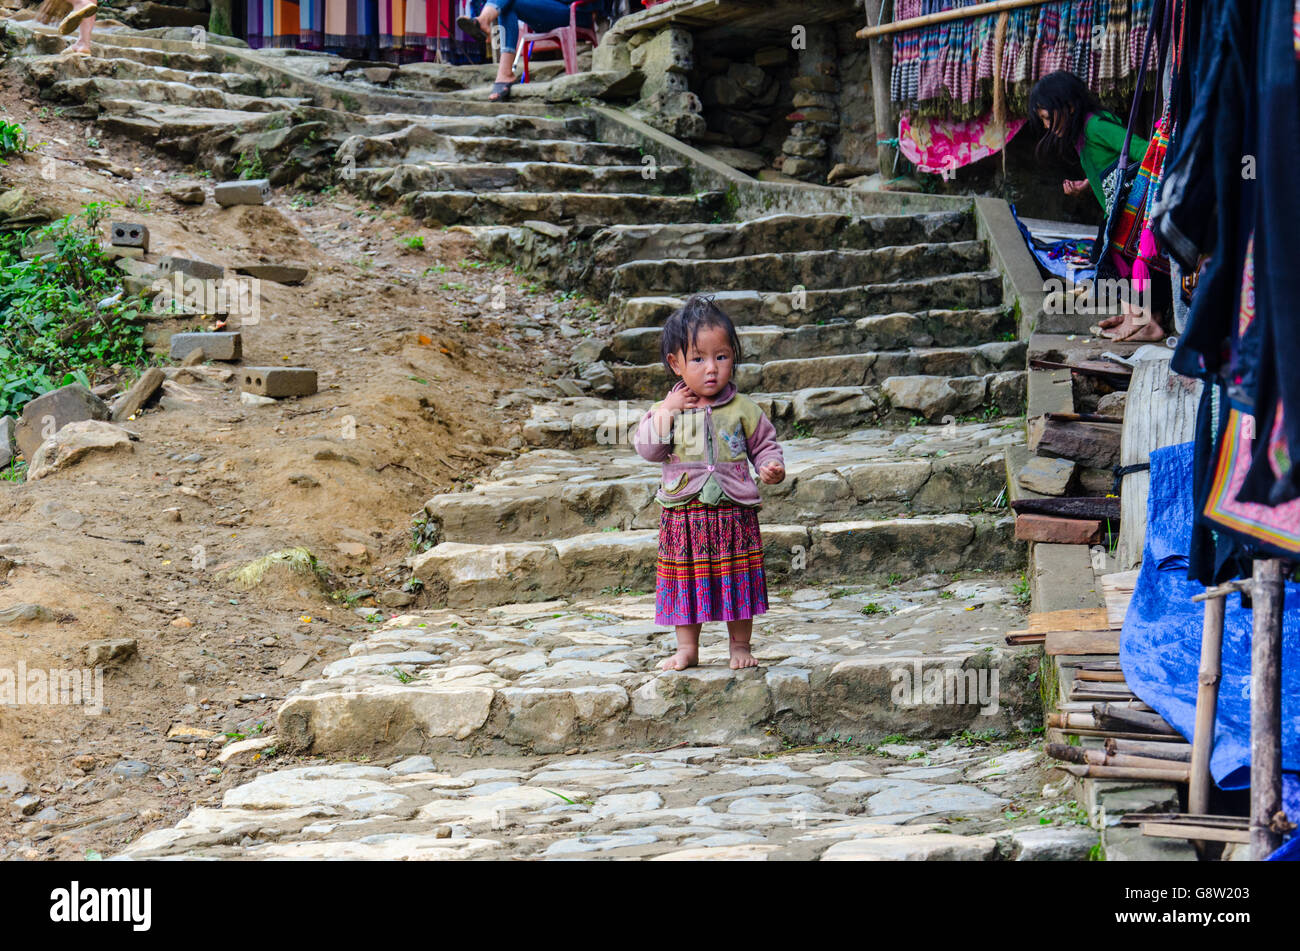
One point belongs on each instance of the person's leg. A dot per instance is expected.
(738, 635)
(543, 15)
(83, 38)
(77, 7)
(688, 648)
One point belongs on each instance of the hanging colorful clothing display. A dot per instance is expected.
(399, 30)
(948, 68)
(273, 23)
(943, 145)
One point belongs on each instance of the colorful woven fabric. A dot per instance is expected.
(1132, 216)
(273, 23)
(710, 565)
(311, 24)
(1276, 526)
(939, 145)
(947, 68)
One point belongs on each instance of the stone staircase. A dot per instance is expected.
(878, 342)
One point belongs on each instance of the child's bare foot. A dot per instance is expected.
(741, 656)
(685, 657)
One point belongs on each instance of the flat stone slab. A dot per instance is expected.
(639, 804)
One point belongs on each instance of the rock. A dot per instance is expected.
(795, 167)
(1053, 843)
(74, 441)
(741, 159)
(1094, 445)
(102, 653)
(1046, 476)
(20, 209)
(600, 377)
(44, 416)
(25, 613)
(7, 446)
(594, 85)
(842, 172)
(245, 748)
(187, 193)
(1112, 404)
(252, 399)
(934, 396)
(133, 400)
(26, 805)
(130, 769)
(924, 847)
(394, 598)
(276, 273)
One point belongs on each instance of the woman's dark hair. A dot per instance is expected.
(1068, 100)
(683, 327)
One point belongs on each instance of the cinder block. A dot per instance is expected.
(128, 234)
(278, 381)
(255, 191)
(201, 270)
(215, 346)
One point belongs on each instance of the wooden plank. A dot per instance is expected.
(1117, 589)
(1099, 676)
(1160, 411)
(960, 13)
(1077, 506)
(1086, 619)
(1081, 642)
(1169, 830)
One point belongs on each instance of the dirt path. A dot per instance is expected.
(414, 353)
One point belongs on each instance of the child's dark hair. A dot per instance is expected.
(1068, 101)
(683, 327)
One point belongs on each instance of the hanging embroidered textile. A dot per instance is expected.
(948, 68)
(944, 145)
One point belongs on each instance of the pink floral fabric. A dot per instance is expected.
(945, 145)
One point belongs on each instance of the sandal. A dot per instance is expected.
(74, 19)
(500, 92)
(470, 25)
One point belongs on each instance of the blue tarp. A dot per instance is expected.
(1160, 645)
(1068, 259)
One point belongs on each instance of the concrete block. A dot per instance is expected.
(215, 346)
(128, 234)
(278, 381)
(256, 191)
(200, 270)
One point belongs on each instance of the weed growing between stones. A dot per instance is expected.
(13, 140)
(63, 311)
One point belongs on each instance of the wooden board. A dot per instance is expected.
(1085, 619)
(1117, 589)
(1160, 411)
(1169, 830)
(1081, 642)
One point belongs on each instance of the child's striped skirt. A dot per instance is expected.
(710, 565)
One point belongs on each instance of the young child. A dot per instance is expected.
(710, 565)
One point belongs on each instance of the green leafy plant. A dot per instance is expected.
(62, 315)
(250, 165)
(13, 140)
(414, 241)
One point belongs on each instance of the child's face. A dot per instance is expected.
(706, 365)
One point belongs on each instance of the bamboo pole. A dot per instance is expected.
(1266, 709)
(961, 13)
(1170, 751)
(882, 61)
(1207, 704)
(1077, 754)
(1173, 774)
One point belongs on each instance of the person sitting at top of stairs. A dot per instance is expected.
(540, 15)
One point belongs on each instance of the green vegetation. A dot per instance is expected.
(13, 140)
(61, 323)
(415, 242)
(250, 165)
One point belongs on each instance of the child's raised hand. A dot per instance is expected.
(680, 398)
(771, 472)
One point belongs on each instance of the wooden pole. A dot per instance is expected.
(1207, 704)
(961, 13)
(1266, 709)
(882, 59)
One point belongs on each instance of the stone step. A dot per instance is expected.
(651, 381)
(459, 574)
(945, 328)
(48, 70)
(580, 208)
(787, 309)
(491, 125)
(582, 422)
(190, 60)
(389, 183)
(867, 474)
(155, 121)
(782, 232)
(786, 272)
(549, 677)
(419, 143)
(95, 88)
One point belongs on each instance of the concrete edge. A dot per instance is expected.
(1021, 280)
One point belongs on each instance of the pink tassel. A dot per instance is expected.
(1146, 250)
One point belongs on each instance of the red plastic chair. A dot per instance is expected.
(565, 39)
